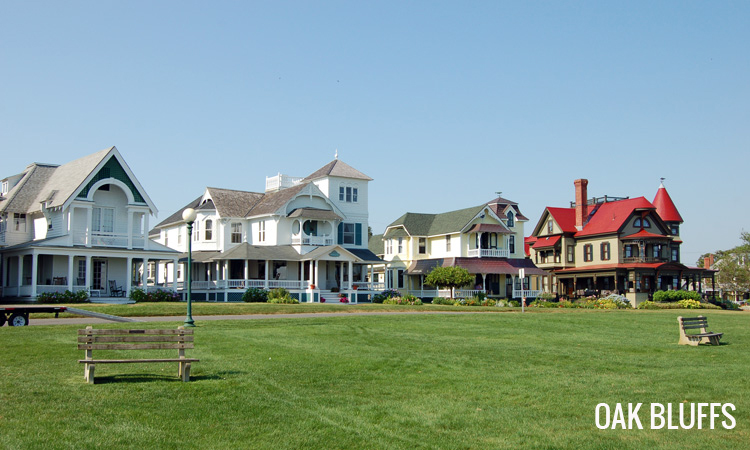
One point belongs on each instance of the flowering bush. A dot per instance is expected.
(63, 297)
(689, 304)
(343, 298)
(390, 293)
(475, 301)
(255, 295)
(405, 300)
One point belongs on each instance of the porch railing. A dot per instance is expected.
(647, 259)
(489, 253)
(109, 239)
(369, 286)
(312, 240)
(528, 293)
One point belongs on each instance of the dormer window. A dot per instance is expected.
(209, 230)
(511, 220)
(675, 230)
(642, 223)
(550, 227)
(4, 188)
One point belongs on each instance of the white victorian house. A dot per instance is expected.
(77, 226)
(308, 235)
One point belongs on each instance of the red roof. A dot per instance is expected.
(547, 242)
(565, 218)
(665, 206)
(610, 216)
(528, 241)
(643, 234)
(492, 265)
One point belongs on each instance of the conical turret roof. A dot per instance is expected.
(665, 206)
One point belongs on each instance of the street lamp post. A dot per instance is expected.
(189, 216)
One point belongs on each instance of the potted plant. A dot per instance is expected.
(343, 298)
(355, 287)
(312, 286)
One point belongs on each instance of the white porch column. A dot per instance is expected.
(317, 275)
(88, 272)
(341, 275)
(144, 233)
(128, 274)
(351, 275)
(20, 273)
(247, 271)
(89, 227)
(70, 272)
(175, 263)
(265, 276)
(130, 228)
(34, 269)
(484, 282)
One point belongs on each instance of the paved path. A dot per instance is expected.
(198, 319)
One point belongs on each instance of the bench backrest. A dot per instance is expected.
(115, 339)
(693, 323)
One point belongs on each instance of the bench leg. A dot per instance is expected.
(184, 371)
(88, 373)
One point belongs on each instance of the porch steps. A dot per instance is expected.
(83, 312)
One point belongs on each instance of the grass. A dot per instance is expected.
(481, 381)
(211, 309)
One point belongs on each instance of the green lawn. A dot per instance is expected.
(479, 381)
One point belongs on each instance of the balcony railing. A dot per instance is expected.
(312, 240)
(281, 182)
(645, 259)
(109, 239)
(489, 253)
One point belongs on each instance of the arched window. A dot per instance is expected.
(209, 230)
(511, 221)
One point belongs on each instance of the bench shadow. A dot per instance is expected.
(149, 378)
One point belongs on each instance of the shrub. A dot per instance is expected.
(689, 304)
(675, 296)
(515, 303)
(63, 297)
(724, 304)
(543, 304)
(547, 296)
(255, 295)
(281, 295)
(160, 295)
(442, 301)
(648, 305)
(405, 300)
(390, 293)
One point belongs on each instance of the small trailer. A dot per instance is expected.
(18, 315)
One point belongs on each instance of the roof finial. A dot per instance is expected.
(499, 193)
(662, 182)
(336, 156)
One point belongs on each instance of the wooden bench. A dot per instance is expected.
(696, 323)
(112, 339)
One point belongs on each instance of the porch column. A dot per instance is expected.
(128, 274)
(70, 272)
(175, 262)
(484, 282)
(89, 226)
(34, 275)
(130, 228)
(317, 275)
(20, 273)
(88, 272)
(351, 275)
(341, 276)
(247, 271)
(144, 233)
(265, 276)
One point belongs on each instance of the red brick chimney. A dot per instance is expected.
(582, 206)
(708, 261)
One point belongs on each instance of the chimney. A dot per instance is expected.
(582, 206)
(708, 261)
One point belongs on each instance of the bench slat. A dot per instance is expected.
(123, 361)
(693, 327)
(100, 331)
(135, 338)
(162, 346)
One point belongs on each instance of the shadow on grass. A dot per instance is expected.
(151, 378)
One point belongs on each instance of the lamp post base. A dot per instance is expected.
(189, 322)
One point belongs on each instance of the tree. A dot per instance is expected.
(450, 277)
(734, 267)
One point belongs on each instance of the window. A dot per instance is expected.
(236, 233)
(348, 235)
(400, 279)
(103, 220)
(179, 237)
(675, 229)
(512, 243)
(348, 194)
(196, 230)
(166, 239)
(642, 223)
(209, 230)
(628, 251)
(422, 246)
(4, 188)
(588, 253)
(550, 227)
(262, 231)
(571, 254)
(448, 243)
(81, 272)
(400, 245)
(388, 247)
(605, 251)
(511, 221)
(657, 251)
(19, 222)
(675, 254)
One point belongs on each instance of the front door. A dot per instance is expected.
(100, 274)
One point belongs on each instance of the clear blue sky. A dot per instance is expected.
(442, 103)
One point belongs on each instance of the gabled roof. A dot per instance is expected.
(500, 207)
(376, 244)
(565, 218)
(233, 203)
(271, 202)
(176, 217)
(547, 241)
(643, 234)
(417, 224)
(56, 186)
(611, 216)
(665, 206)
(337, 168)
